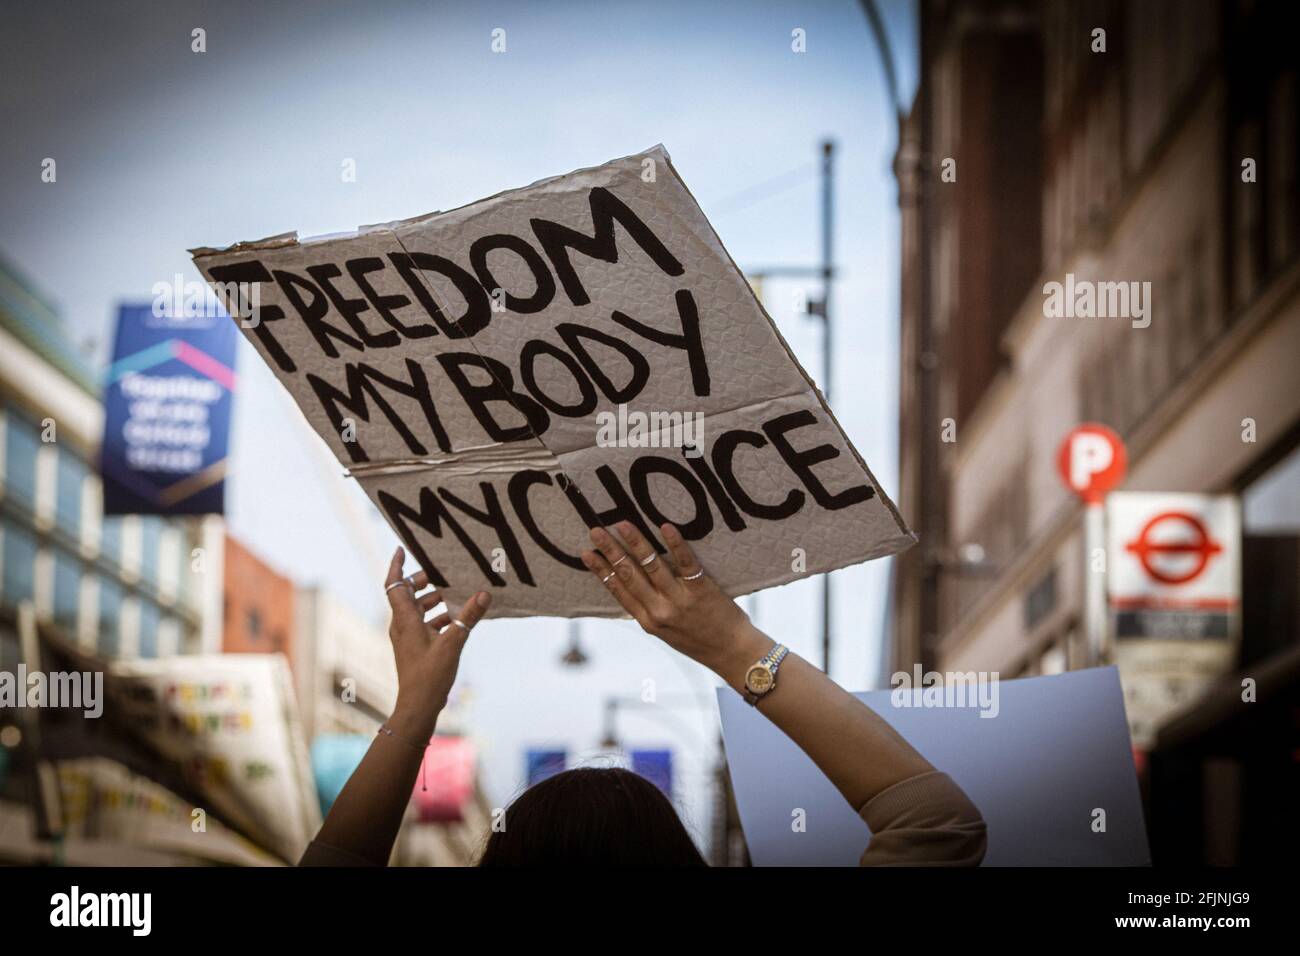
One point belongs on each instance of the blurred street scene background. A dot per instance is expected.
(909, 175)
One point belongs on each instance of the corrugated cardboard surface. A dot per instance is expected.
(777, 493)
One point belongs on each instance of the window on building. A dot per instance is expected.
(72, 474)
(22, 441)
(151, 528)
(67, 591)
(110, 539)
(149, 620)
(253, 621)
(110, 617)
(19, 564)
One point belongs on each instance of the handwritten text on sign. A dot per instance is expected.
(470, 367)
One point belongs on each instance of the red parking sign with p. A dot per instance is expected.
(1092, 461)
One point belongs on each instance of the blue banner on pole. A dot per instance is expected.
(657, 767)
(167, 402)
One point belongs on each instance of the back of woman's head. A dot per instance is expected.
(591, 817)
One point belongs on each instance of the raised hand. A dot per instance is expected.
(674, 599)
(427, 653)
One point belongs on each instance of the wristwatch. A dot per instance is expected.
(760, 680)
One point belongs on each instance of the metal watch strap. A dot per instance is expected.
(772, 661)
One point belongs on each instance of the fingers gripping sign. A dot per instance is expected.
(657, 570)
(400, 590)
(618, 573)
(427, 653)
(688, 569)
(670, 597)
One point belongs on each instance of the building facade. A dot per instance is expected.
(344, 671)
(1106, 141)
(258, 605)
(130, 586)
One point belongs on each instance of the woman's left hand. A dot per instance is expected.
(427, 653)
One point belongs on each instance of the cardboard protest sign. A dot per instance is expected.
(502, 376)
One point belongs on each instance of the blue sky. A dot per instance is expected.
(160, 149)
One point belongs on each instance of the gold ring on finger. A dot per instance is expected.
(616, 563)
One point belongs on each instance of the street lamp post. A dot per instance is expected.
(819, 308)
(828, 156)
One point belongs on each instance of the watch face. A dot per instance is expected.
(759, 680)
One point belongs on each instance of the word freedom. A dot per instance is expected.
(485, 385)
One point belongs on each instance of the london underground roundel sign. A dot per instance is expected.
(1092, 461)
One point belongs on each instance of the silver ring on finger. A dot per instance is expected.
(605, 579)
(619, 561)
(650, 560)
(460, 624)
(398, 584)
(694, 577)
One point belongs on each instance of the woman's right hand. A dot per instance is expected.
(675, 600)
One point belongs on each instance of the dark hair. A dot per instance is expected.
(591, 816)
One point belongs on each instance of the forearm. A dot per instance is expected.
(857, 750)
(367, 814)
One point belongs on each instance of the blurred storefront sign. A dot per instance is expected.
(105, 803)
(541, 764)
(230, 721)
(1174, 594)
(446, 782)
(333, 759)
(657, 767)
(167, 401)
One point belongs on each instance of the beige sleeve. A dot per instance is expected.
(924, 820)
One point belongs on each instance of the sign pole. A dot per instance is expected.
(1094, 587)
(1092, 460)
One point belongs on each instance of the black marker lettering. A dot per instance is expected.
(517, 490)
(361, 379)
(688, 341)
(313, 313)
(545, 290)
(606, 209)
(639, 476)
(640, 367)
(801, 462)
(498, 388)
(253, 271)
(532, 350)
(478, 310)
(724, 450)
(351, 309)
(494, 517)
(385, 305)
